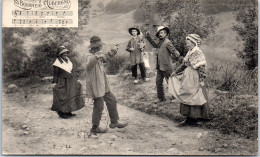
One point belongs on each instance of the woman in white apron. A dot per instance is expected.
(186, 83)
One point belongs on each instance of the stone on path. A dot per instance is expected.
(12, 88)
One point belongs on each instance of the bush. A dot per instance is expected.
(237, 114)
(247, 28)
(117, 64)
(232, 77)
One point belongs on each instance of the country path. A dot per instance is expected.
(30, 127)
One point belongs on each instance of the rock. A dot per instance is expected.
(158, 132)
(174, 151)
(26, 133)
(225, 145)
(113, 137)
(201, 149)
(217, 150)
(93, 146)
(199, 135)
(25, 127)
(12, 88)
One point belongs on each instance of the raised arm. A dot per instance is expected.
(151, 41)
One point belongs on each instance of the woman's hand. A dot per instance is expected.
(173, 74)
(53, 85)
(202, 84)
(131, 49)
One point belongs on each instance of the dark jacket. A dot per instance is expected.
(166, 51)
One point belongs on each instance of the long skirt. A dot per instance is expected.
(195, 111)
(186, 89)
(67, 96)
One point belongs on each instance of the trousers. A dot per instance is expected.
(98, 108)
(142, 70)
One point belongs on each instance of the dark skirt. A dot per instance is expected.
(195, 111)
(67, 96)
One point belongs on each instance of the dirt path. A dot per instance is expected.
(30, 127)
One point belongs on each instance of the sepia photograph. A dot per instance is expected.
(130, 77)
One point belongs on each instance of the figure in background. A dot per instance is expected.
(165, 52)
(136, 46)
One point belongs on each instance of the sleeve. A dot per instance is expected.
(128, 46)
(91, 62)
(174, 52)
(112, 53)
(180, 68)
(197, 59)
(202, 73)
(55, 74)
(152, 42)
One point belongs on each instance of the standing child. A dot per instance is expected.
(135, 47)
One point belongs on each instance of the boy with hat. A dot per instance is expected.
(97, 86)
(165, 52)
(135, 46)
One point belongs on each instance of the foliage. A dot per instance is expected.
(247, 29)
(116, 64)
(182, 17)
(232, 77)
(16, 62)
(237, 114)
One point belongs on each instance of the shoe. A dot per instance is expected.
(160, 101)
(117, 125)
(98, 130)
(63, 115)
(136, 81)
(183, 123)
(146, 79)
(71, 114)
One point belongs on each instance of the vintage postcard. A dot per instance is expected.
(129, 77)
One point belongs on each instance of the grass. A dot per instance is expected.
(233, 112)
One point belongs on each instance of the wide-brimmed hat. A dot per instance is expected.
(95, 41)
(160, 28)
(62, 49)
(134, 28)
(195, 38)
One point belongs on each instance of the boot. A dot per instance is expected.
(97, 130)
(117, 125)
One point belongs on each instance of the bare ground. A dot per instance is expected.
(30, 127)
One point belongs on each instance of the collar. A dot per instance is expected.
(59, 62)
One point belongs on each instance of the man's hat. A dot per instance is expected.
(95, 41)
(132, 28)
(162, 28)
(62, 49)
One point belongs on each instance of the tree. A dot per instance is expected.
(15, 60)
(182, 17)
(247, 29)
(51, 38)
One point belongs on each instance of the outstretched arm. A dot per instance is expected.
(152, 42)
